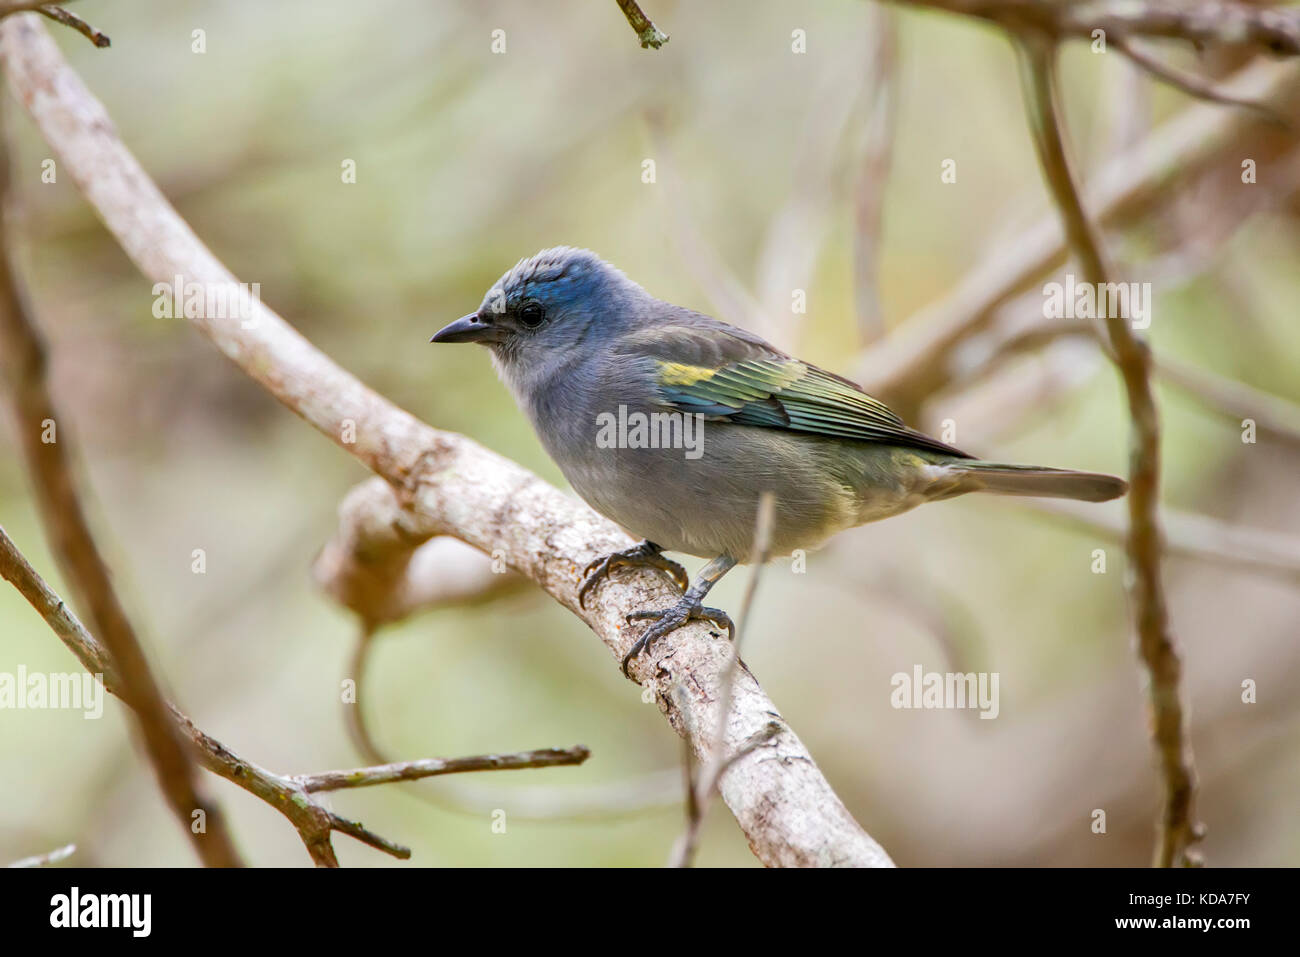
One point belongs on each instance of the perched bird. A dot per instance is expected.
(673, 424)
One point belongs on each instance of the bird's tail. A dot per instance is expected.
(1001, 479)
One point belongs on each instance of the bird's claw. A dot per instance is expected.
(638, 556)
(669, 620)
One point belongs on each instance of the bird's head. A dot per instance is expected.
(547, 304)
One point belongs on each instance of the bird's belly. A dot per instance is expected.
(708, 506)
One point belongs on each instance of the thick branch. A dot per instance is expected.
(446, 484)
(382, 585)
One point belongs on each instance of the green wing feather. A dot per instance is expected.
(746, 381)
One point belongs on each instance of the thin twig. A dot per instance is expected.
(700, 791)
(1259, 551)
(312, 821)
(1159, 653)
(48, 858)
(354, 717)
(1191, 83)
(433, 767)
(1196, 21)
(1275, 418)
(624, 798)
(649, 34)
(290, 795)
(58, 15)
(917, 360)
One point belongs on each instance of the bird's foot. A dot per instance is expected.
(644, 555)
(670, 619)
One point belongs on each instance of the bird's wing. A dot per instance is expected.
(741, 379)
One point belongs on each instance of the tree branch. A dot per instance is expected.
(48, 456)
(58, 15)
(387, 586)
(917, 360)
(1179, 828)
(1260, 551)
(701, 787)
(291, 796)
(1200, 21)
(434, 767)
(649, 34)
(1190, 83)
(46, 859)
(446, 483)
(617, 799)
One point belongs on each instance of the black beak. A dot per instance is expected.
(466, 329)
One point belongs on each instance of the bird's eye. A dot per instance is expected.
(532, 314)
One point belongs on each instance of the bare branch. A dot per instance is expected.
(433, 767)
(387, 585)
(1274, 417)
(916, 361)
(22, 354)
(622, 798)
(58, 15)
(312, 821)
(448, 484)
(290, 795)
(1199, 21)
(1179, 828)
(649, 34)
(1190, 83)
(48, 858)
(1260, 551)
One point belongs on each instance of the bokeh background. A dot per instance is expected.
(468, 160)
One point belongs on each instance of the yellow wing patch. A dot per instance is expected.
(679, 373)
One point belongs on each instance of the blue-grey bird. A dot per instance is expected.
(591, 357)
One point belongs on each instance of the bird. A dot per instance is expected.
(674, 424)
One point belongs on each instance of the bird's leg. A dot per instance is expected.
(645, 555)
(690, 608)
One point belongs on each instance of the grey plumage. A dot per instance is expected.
(590, 356)
(575, 340)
